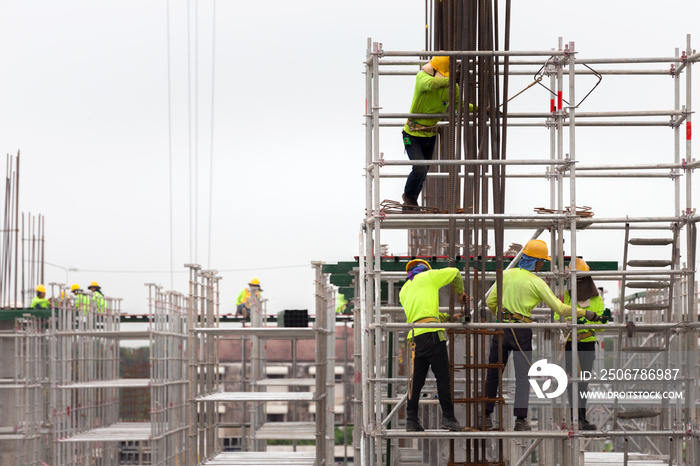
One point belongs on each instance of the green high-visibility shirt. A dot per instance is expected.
(38, 302)
(596, 305)
(420, 297)
(244, 295)
(82, 302)
(99, 299)
(341, 303)
(431, 95)
(523, 290)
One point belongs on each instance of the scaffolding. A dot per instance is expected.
(665, 335)
(86, 386)
(206, 394)
(68, 385)
(23, 435)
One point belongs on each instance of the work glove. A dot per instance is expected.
(592, 316)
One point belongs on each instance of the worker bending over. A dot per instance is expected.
(419, 299)
(244, 303)
(522, 291)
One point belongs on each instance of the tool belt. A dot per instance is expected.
(427, 320)
(413, 126)
(514, 317)
(583, 335)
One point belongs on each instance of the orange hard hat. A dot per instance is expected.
(537, 248)
(442, 64)
(416, 262)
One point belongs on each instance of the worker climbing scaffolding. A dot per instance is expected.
(431, 95)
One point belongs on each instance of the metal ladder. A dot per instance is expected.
(653, 343)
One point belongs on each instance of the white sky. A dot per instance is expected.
(84, 97)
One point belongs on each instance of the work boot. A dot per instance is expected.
(522, 425)
(450, 423)
(413, 425)
(409, 203)
(583, 424)
(486, 422)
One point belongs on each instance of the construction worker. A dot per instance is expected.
(341, 304)
(431, 95)
(522, 291)
(588, 298)
(98, 298)
(419, 298)
(244, 303)
(39, 301)
(82, 301)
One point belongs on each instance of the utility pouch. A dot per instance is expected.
(413, 126)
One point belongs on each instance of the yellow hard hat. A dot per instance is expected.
(254, 281)
(581, 265)
(93, 284)
(537, 248)
(41, 289)
(442, 64)
(414, 263)
(74, 287)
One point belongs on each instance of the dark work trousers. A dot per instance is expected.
(522, 366)
(431, 353)
(417, 148)
(586, 356)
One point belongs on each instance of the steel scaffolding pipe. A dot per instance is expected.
(544, 325)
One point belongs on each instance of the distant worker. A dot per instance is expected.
(419, 298)
(523, 290)
(589, 299)
(39, 301)
(341, 304)
(82, 301)
(98, 298)
(431, 95)
(244, 303)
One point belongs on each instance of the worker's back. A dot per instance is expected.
(522, 291)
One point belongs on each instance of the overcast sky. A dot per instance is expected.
(84, 95)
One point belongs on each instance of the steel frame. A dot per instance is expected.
(375, 318)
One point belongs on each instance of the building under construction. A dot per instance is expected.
(64, 396)
(64, 390)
